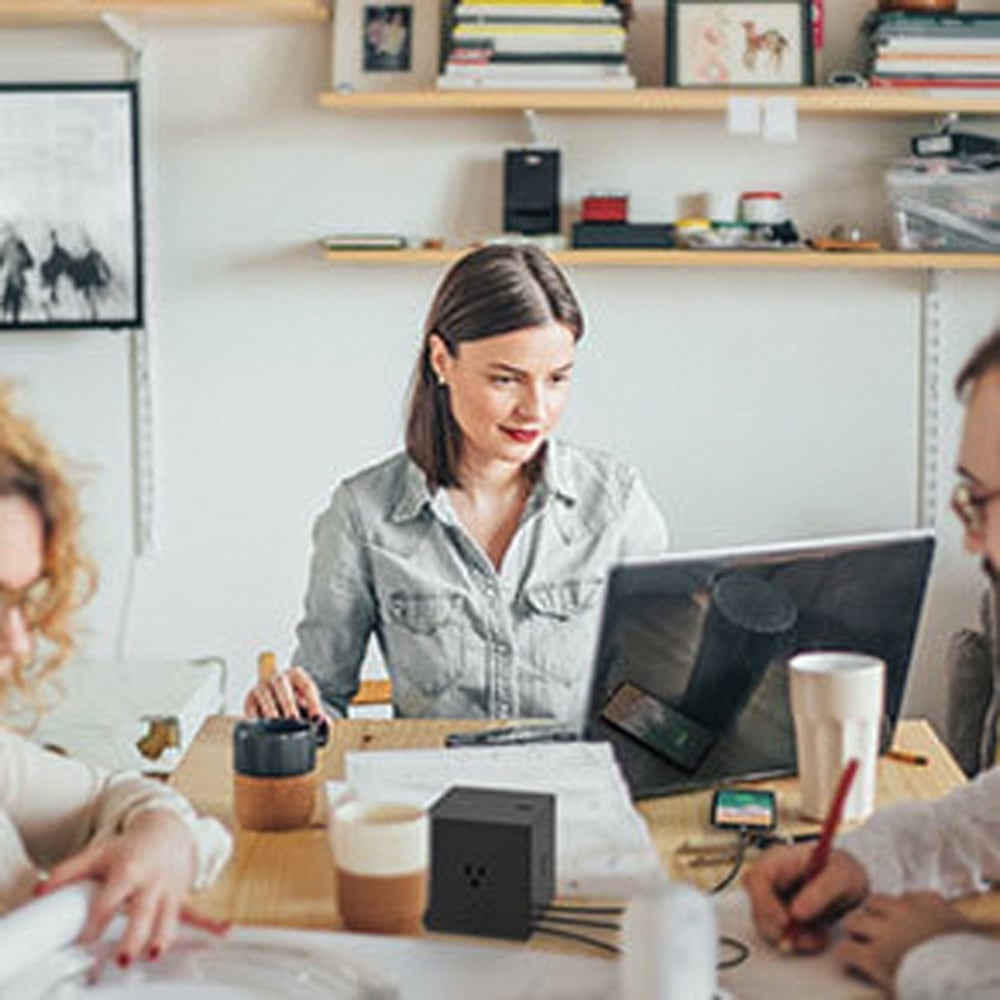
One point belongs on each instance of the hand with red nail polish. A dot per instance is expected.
(145, 871)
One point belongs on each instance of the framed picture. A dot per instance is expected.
(395, 45)
(742, 43)
(70, 219)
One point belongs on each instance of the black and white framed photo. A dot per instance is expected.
(70, 220)
(394, 45)
(740, 43)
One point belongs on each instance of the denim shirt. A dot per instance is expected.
(459, 637)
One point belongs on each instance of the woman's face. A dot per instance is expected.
(21, 564)
(507, 392)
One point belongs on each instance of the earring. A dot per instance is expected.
(441, 382)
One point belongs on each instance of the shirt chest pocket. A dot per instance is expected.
(560, 621)
(424, 640)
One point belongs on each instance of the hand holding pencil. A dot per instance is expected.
(796, 893)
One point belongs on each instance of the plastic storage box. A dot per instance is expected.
(945, 205)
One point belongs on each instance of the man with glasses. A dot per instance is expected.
(893, 876)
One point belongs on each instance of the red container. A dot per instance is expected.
(604, 208)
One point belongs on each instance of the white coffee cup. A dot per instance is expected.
(381, 851)
(837, 704)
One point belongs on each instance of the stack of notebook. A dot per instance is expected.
(531, 44)
(948, 53)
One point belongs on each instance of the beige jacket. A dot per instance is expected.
(51, 807)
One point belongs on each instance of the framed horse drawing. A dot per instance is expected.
(742, 43)
(70, 216)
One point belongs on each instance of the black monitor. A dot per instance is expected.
(690, 684)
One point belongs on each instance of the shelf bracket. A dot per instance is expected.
(127, 36)
(531, 121)
(929, 458)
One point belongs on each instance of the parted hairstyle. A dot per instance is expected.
(982, 359)
(493, 290)
(29, 468)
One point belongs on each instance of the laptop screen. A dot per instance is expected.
(690, 683)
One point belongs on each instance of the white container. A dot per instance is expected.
(763, 208)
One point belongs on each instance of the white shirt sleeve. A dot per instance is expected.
(950, 845)
(57, 805)
(952, 965)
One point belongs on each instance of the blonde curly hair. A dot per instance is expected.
(29, 468)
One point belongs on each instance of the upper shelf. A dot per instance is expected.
(887, 260)
(810, 100)
(70, 11)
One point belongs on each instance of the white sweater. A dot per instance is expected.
(951, 846)
(51, 807)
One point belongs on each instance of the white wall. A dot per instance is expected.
(758, 405)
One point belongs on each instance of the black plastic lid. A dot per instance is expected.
(274, 748)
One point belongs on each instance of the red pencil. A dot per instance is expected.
(821, 852)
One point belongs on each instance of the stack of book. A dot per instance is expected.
(536, 44)
(944, 52)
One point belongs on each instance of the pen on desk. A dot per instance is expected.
(821, 852)
(511, 736)
(907, 757)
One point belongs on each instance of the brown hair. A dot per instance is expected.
(982, 359)
(493, 290)
(29, 468)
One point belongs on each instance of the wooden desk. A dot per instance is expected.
(287, 879)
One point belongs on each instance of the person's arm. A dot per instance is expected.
(644, 531)
(340, 611)
(136, 837)
(950, 845)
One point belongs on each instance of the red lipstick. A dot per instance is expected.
(521, 436)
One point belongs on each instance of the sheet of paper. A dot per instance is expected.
(262, 962)
(781, 119)
(603, 847)
(743, 115)
(767, 973)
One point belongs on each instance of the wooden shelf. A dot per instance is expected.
(653, 100)
(804, 260)
(82, 11)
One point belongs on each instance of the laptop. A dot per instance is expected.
(690, 683)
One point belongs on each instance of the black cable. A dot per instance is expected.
(603, 910)
(603, 945)
(741, 850)
(742, 953)
(605, 925)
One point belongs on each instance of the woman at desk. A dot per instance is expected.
(139, 841)
(476, 557)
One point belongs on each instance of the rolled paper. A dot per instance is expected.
(37, 929)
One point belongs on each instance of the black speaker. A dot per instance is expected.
(531, 191)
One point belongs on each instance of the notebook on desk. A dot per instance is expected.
(690, 679)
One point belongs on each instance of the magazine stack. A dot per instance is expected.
(944, 53)
(525, 45)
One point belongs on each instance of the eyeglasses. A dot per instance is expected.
(28, 600)
(971, 507)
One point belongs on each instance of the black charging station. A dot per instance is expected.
(492, 861)
(531, 191)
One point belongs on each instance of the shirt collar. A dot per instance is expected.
(557, 473)
(414, 494)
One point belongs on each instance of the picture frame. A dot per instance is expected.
(386, 44)
(739, 43)
(70, 206)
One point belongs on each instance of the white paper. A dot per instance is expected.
(768, 973)
(743, 115)
(781, 119)
(262, 962)
(603, 847)
(37, 929)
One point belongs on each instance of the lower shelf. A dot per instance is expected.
(888, 260)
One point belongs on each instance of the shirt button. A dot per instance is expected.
(502, 648)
